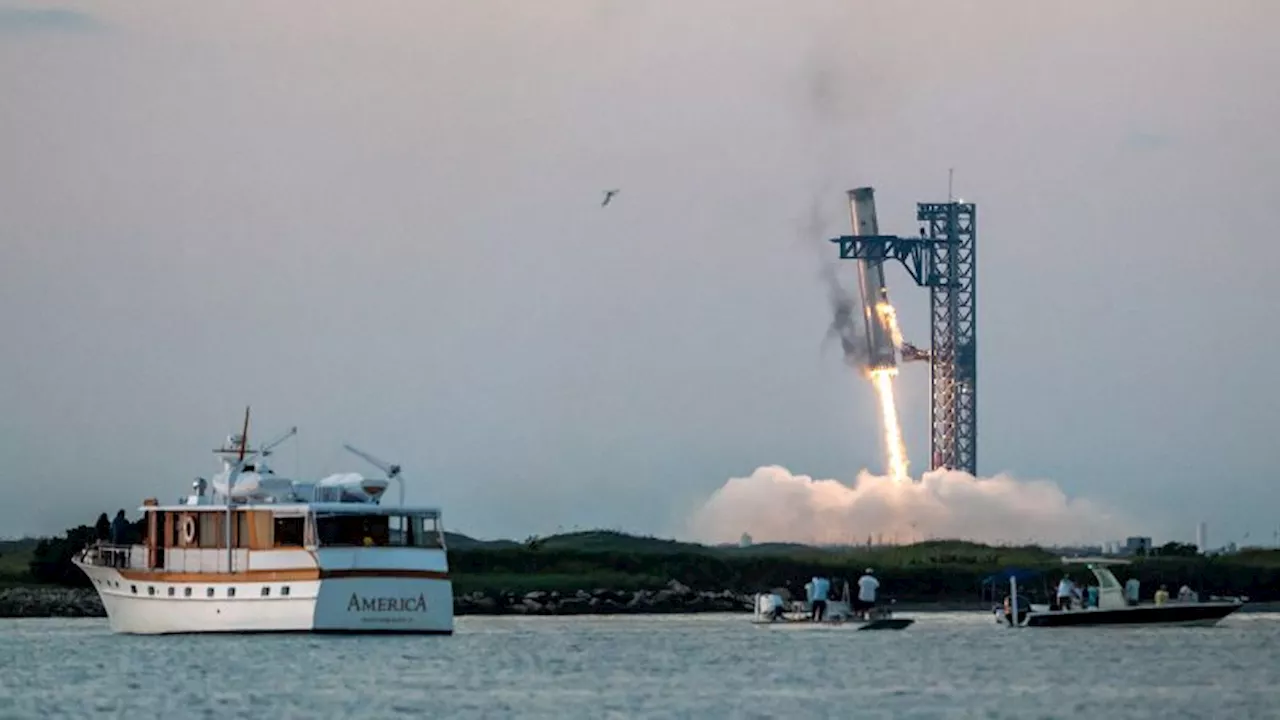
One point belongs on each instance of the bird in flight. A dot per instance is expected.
(608, 195)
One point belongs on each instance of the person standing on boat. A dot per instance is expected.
(1066, 589)
(867, 587)
(821, 588)
(1131, 591)
(119, 530)
(119, 527)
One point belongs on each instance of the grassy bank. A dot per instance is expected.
(924, 572)
(15, 562)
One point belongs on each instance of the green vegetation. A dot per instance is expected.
(15, 561)
(934, 570)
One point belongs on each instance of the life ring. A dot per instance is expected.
(188, 530)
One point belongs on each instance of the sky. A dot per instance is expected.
(381, 222)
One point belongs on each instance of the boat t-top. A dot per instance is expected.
(1112, 608)
(255, 552)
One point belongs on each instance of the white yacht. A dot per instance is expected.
(255, 552)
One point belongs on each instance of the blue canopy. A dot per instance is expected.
(1022, 574)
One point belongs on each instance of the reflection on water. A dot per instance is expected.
(946, 665)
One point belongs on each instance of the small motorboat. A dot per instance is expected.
(772, 611)
(1112, 608)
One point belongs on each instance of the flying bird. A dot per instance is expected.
(608, 195)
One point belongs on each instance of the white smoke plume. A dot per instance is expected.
(773, 505)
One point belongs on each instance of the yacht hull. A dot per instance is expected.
(403, 603)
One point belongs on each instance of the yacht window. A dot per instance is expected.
(428, 532)
(208, 592)
(231, 592)
(353, 530)
(380, 530)
(284, 590)
(212, 529)
(266, 591)
(396, 531)
(171, 591)
(289, 531)
(133, 589)
(186, 592)
(207, 530)
(151, 590)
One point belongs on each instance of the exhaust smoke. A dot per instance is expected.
(773, 505)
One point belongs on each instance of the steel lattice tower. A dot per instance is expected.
(943, 259)
(953, 356)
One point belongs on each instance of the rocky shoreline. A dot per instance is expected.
(43, 602)
(675, 598)
(34, 602)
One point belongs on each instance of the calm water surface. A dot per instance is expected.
(946, 665)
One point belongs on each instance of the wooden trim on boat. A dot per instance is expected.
(294, 575)
(363, 573)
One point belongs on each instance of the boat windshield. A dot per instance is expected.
(1106, 580)
(420, 530)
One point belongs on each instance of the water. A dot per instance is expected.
(946, 665)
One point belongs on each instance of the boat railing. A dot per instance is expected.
(104, 554)
(191, 560)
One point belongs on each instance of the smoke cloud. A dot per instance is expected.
(846, 309)
(773, 505)
(846, 321)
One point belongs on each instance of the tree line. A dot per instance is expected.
(51, 559)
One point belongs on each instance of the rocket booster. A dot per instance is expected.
(881, 352)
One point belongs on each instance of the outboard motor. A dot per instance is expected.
(1002, 611)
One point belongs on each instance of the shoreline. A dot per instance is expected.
(35, 601)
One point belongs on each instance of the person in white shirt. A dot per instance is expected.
(821, 589)
(867, 586)
(1066, 589)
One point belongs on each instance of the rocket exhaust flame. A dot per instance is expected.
(893, 445)
(889, 317)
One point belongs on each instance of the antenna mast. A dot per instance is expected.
(231, 479)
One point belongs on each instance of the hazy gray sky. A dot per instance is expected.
(380, 221)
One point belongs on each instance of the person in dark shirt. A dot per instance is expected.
(119, 528)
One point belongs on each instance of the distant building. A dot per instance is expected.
(745, 541)
(1137, 545)
(1202, 537)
